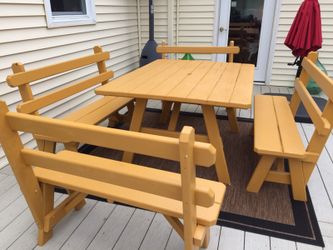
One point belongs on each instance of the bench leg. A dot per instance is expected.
(73, 146)
(48, 203)
(260, 173)
(166, 107)
(207, 238)
(136, 122)
(216, 140)
(174, 116)
(233, 120)
(298, 184)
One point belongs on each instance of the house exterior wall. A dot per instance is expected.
(283, 75)
(195, 22)
(24, 37)
(196, 26)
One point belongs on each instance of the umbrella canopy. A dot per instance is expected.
(305, 34)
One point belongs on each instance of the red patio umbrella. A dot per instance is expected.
(305, 34)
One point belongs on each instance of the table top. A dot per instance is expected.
(197, 82)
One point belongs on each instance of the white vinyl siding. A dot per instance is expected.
(283, 75)
(195, 27)
(24, 37)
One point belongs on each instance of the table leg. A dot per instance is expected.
(216, 140)
(233, 120)
(174, 116)
(136, 122)
(166, 108)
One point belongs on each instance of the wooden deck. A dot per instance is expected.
(103, 226)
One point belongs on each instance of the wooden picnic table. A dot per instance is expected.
(205, 83)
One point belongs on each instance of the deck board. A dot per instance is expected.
(116, 226)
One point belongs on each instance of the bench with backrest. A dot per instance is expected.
(164, 49)
(93, 113)
(177, 196)
(276, 137)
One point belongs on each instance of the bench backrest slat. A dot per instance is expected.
(37, 74)
(146, 144)
(322, 125)
(198, 50)
(55, 96)
(231, 50)
(323, 120)
(324, 82)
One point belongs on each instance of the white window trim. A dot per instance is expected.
(70, 20)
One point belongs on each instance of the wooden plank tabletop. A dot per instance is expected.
(197, 82)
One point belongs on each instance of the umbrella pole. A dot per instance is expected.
(299, 69)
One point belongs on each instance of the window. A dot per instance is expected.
(60, 13)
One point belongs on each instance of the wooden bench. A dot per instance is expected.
(93, 113)
(276, 136)
(196, 201)
(164, 49)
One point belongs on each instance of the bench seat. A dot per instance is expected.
(98, 111)
(275, 130)
(205, 216)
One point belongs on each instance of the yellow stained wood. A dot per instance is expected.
(180, 86)
(298, 184)
(292, 145)
(184, 88)
(48, 202)
(266, 132)
(216, 140)
(100, 65)
(176, 225)
(55, 215)
(166, 107)
(158, 80)
(187, 169)
(322, 125)
(260, 173)
(224, 88)
(198, 50)
(278, 177)
(12, 145)
(119, 173)
(153, 145)
(304, 77)
(162, 91)
(206, 85)
(242, 93)
(37, 74)
(324, 81)
(101, 112)
(205, 216)
(136, 122)
(134, 79)
(231, 55)
(232, 117)
(174, 116)
(201, 236)
(174, 134)
(43, 101)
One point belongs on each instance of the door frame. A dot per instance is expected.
(271, 46)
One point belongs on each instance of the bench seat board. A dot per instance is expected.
(276, 133)
(171, 207)
(98, 110)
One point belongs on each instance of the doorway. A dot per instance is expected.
(249, 23)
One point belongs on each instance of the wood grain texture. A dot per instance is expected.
(197, 82)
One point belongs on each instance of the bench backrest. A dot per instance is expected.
(230, 50)
(22, 80)
(322, 120)
(184, 149)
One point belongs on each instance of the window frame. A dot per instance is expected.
(55, 21)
